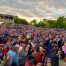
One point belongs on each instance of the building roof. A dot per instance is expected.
(7, 15)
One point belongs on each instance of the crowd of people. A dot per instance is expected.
(24, 45)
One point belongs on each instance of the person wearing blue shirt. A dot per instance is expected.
(13, 57)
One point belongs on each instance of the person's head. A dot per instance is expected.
(30, 58)
(27, 47)
(39, 64)
(13, 48)
(24, 46)
(41, 49)
(60, 49)
(37, 49)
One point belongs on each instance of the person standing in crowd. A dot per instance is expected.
(29, 61)
(31, 46)
(63, 55)
(59, 53)
(64, 49)
(54, 59)
(13, 56)
(38, 55)
(23, 55)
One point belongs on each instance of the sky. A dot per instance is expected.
(34, 9)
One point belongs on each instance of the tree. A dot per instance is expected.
(51, 24)
(60, 22)
(21, 21)
(64, 23)
(33, 22)
(41, 24)
(44, 20)
(16, 20)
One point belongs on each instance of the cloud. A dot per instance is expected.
(34, 8)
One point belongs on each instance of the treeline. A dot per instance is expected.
(45, 23)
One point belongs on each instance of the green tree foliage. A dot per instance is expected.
(33, 22)
(64, 23)
(41, 24)
(60, 22)
(45, 23)
(44, 20)
(51, 23)
(21, 21)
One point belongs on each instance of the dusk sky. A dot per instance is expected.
(34, 8)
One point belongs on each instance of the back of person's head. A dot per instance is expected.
(37, 48)
(30, 57)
